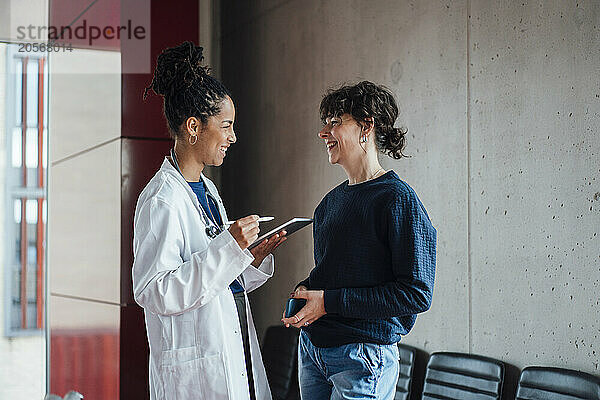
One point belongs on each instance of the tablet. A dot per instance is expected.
(290, 227)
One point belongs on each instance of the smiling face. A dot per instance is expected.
(341, 137)
(217, 135)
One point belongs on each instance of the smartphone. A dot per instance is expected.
(292, 306)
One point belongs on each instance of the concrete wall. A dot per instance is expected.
(501, 100)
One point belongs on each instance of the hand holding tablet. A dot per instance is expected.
(293, 225)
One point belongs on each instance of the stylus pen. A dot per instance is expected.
(260, 219)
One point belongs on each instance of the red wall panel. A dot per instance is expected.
(86, 361)
(140, 159)
(145, 143)
(172, 22)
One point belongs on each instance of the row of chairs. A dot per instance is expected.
(447, 376)
(471, 377)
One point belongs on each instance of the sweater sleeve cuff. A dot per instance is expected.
(303, 283)
(332, 299)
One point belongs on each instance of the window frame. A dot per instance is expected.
(14, 191)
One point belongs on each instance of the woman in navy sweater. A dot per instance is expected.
(374, 256)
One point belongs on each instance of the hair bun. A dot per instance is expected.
(392, 141)
(177, 68)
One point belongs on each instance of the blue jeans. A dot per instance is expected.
(352, 371)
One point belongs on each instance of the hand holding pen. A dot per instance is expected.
(260, 219)
(245, 230)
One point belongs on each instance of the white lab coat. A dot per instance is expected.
(181, 278)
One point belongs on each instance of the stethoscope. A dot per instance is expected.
(212, 229)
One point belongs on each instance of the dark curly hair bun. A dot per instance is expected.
(364, 100)
(177, 68)
(392, 141)
(186, 85)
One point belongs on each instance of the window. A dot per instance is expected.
(25, 174)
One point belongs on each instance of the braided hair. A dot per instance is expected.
(187, 87)
(363, 100)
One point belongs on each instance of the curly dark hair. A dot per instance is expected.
(363, 100)
(186, 86)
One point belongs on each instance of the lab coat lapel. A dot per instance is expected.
(170, 169)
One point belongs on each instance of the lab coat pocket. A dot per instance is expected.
(199, 378)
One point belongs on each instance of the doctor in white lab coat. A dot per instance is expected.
(186, 259)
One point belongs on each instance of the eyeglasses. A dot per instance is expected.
(334, 121)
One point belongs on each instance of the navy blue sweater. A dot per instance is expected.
(375, 260)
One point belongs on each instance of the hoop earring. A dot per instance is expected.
(361, 141)
(195, 139)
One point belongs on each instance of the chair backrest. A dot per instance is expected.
(463, 376)
(280, 356)
(545, 383)
(406, 357)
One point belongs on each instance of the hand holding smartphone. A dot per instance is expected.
(292, 306)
